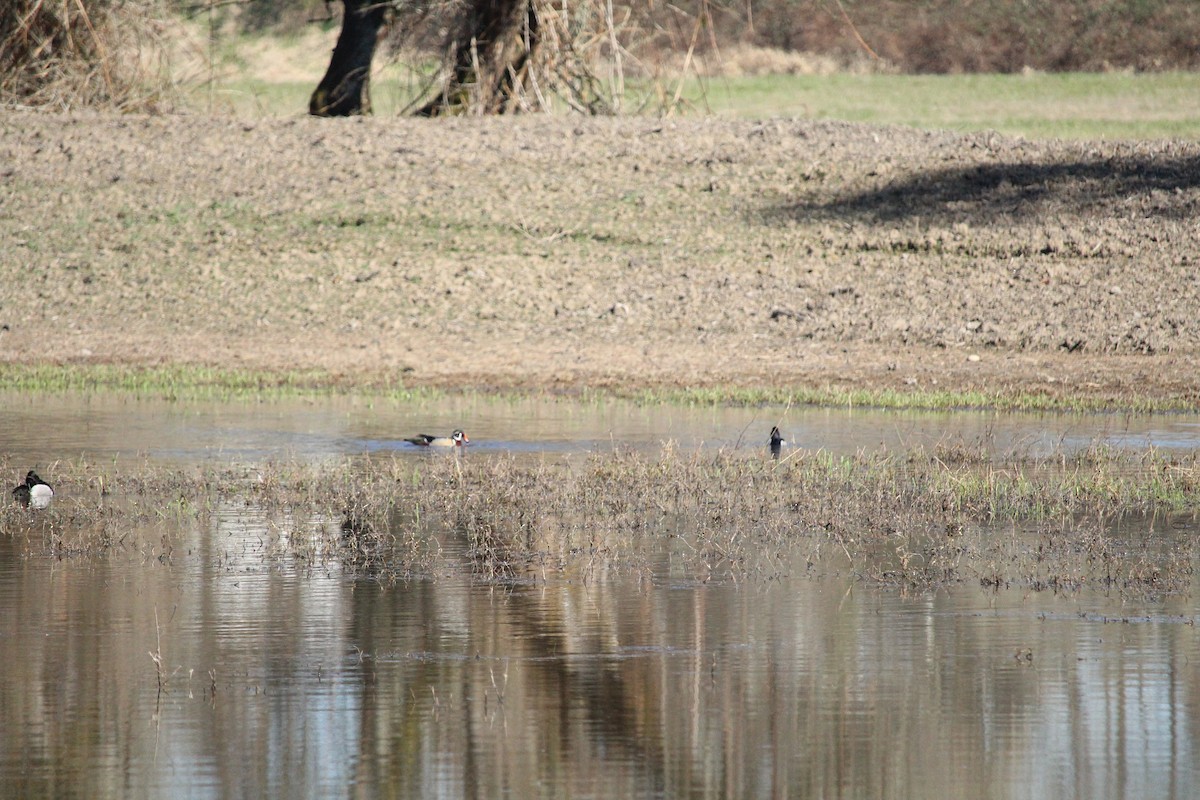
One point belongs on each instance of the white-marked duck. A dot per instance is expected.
(456, 439)
(777, 441)
(34, 492)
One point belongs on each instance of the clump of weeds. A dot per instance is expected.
(912, 518)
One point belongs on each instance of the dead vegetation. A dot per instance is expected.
(87, 53)
(1099, 520)
(597, 56)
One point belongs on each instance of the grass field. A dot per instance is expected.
(257, 78)
(1037, 105)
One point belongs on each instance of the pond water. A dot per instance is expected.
(291, 677)
(40, 429)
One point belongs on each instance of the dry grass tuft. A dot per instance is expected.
(95, 53)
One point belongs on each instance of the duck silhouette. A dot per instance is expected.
(776, 442)
(456, 439)
(34, 492)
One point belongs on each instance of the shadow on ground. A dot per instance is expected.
(986, 194)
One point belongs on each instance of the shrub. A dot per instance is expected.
(110, 53)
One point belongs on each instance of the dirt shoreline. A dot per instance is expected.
(547, 253)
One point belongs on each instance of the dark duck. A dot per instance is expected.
(34, 492)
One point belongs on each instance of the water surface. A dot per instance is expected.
(298, 680)
(289, 675)
(41, 429)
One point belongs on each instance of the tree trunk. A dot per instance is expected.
(490, 53)
(345, 89)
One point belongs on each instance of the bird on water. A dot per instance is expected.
(34, 492)
(456, 439)
(776, 442)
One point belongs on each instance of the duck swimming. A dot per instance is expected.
(456, 439)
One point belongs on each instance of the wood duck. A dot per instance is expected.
(777, 442)
(33, 492)
(456, 439)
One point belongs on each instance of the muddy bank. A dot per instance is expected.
(560, 253)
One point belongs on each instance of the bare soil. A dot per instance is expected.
(552, 253)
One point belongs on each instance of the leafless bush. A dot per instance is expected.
(592, 45)
(580, 53)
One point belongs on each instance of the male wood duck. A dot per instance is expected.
(777, 442)
(456, 439)
(33, 492)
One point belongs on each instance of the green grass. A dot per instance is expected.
(185, 382)
(248, 97)
(1118, 105)
(197, 382)
(1038, 105)
(393, 88)
(836, 397)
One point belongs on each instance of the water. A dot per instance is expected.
(297, 682)
(39, 429)
(287, 677)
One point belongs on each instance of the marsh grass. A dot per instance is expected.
(1099, 519)
(915, 399)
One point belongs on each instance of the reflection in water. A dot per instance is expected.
(286, 676)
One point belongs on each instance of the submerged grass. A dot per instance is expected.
(917, 519)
